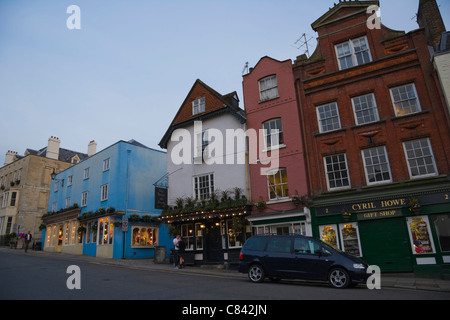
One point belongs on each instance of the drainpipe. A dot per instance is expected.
(126, 200)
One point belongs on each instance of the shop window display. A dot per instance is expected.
(350, 239)
(328, 235)
(144, 237)
(420, 235)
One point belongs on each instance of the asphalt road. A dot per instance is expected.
(30, 277)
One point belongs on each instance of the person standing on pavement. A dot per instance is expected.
(176, 257)
(28, 238)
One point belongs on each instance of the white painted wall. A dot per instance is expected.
(226, 176)
(442, 65)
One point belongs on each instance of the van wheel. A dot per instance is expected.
(339, 278)
(256, 273)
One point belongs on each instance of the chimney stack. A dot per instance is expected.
(10, 157)
(53, 148)
(429, 17)
(92, 148)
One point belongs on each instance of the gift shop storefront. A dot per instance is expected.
(406, 233)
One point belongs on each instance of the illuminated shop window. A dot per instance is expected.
(144, 236)
(328, 234)
(420, 235)
(350, 239)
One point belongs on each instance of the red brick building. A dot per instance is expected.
(277, 170)
(377, 141)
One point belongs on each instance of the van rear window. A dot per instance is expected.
(256, 243)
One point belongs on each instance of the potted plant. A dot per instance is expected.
(296, 200)
(261, 205)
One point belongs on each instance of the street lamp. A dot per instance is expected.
(53, 175)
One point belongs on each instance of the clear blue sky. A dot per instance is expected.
(125, 73)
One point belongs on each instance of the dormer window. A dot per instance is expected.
(198, 106)
(353, 53)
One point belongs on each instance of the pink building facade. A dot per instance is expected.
(277, 171)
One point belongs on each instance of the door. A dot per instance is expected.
(277, 260)
(213, 246)
(385, 243)
(309, 261)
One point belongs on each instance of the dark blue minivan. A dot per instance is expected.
(299, 257)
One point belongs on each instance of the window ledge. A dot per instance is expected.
(269, 99)
(280, 146)
(410, 115)
(279, 200)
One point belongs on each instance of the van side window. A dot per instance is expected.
(279, 245)
(256, 244)
(306, 246)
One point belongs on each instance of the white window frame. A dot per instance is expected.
(333, 227)
(105, 231)
(352, 53)
(409, 221)
(373, 109)
(198, 106)
(5, 199)
(430, 155)
(275, 135)
(84, 198)
(104, 192)
(201, 153)
(320, 119)
(106, 164)
(355, 226)
(86, 174)
(268, 88)
(282, 184)
(326, 173)
(366, 165)
(394, 102)
(67, 202)
(197, 188)
(69, 180)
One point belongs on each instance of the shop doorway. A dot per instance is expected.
(385, 243)
(213, 246)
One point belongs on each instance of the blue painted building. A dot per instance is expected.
(89, 202)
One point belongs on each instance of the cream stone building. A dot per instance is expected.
(25, 185)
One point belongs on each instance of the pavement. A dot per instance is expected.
(388, 280)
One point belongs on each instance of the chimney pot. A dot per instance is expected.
(92, 148)
(53, 148)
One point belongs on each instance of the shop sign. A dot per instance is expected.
(367, 206)
(379, 214)
(160, 197)
(382, 205)
(124, 224)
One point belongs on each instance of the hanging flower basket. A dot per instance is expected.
(414, 206)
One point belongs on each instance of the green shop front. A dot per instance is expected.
(397, 230)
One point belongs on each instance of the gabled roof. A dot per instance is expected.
(264, 58)
(215, 104)
(338, 11)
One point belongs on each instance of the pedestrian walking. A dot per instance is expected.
(28, 238)
(176, 251)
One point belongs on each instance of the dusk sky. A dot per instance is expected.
(126, 72)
